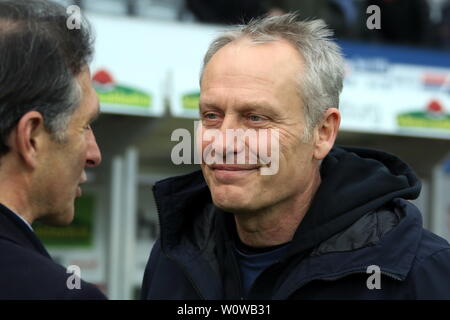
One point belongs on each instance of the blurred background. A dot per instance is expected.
(148, 55)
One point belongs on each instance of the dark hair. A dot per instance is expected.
(39, 60)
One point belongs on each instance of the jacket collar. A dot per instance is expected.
(13, 229)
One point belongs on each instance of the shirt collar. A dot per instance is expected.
(21, 218)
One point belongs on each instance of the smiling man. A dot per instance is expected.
(311, 229)
(47, 104)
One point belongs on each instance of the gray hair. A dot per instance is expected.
(58, 123)
(321, 84)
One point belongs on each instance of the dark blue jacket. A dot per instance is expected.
(359, 217)
(27, 270)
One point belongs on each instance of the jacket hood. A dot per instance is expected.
(355, 181)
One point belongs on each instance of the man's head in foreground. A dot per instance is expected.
(47, 103)
(281, 75)
(289, 233)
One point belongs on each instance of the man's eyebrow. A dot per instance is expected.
(258, 106)
(262, 107)
(205, 104)
(202, 106)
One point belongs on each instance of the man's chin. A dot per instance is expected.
(234, 202)
(60, 219)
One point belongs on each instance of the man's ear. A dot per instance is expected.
(28, 136)
(326, 132)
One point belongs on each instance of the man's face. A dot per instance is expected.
(62, 167)
(254, 86)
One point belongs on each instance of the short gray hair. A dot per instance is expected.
(321, 84)
(58, 123)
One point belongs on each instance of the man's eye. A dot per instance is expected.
(88, 127)
(210, 116)
(255, 118)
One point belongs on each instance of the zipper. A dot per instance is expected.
(389, 275)
(186, 273)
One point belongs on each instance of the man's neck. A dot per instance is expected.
(278, 224)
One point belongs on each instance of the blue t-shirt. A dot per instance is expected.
(252, 264)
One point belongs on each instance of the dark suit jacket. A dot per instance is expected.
(26, 269)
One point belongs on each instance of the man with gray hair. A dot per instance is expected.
(47, 104)
(331, 223)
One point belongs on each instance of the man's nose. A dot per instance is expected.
(94, 156)
(230, 128)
